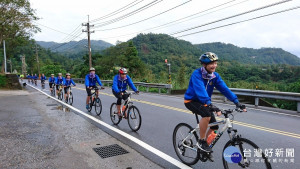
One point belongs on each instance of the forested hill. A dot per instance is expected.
(157, 47)
(229, 52)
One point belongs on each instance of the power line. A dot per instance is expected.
(278, 12)
(148, 17)
(129, 14)
(243, 13)
(65, 39)
(66, 43)
(117, 11)
(174, 22)
(52, 29)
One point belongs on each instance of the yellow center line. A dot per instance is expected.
(295, 135)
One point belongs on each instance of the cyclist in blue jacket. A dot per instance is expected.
(35, 78)
(29, 78)
(51, 82)
(198, 96)
(90, 82)
(43, 78)
(119, 87)
(59, 81)
(67, 83)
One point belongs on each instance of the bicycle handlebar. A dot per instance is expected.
(230, 111)
(129, 93)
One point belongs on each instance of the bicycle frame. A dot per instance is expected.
(69, 91)
(127, 103)
(227, 126)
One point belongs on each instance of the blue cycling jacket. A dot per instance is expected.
(201, 89)
(92, 81)
(43, 78)
(28, 77)
(51, 80)
(35, 77)
(69, 82)
(120, 85)
(59, 81)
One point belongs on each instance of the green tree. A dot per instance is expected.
(16, 18)
(52, 69)
(181, 80)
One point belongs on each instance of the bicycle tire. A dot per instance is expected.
(180, 150)
(71, 98)
(90, 104)
(98, 106)
(60, 95)
(245, 144)
(133, 113)
(113, 115)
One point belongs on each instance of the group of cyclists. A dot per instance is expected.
(197, 97)
(32, 78)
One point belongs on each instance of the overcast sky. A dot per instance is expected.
(280, 31)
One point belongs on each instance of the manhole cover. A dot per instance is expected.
(110, 151)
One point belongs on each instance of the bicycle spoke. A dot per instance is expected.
(251, 157)
(186, 151)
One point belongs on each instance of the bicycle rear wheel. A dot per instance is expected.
(114, 114)
(244, 159)
(71, 98)
(134, 118)
(98, 106)
(185, 144)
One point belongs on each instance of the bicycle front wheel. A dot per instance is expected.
(60, 95)
(134, 118)
(243, 153)
(98, 106)
(71, 98)
(90, 104)
(114, 114)
(185, 144)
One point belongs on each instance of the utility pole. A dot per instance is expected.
(37, 59)
(169, 65)
(89, 39)
(5, 69)
(9, 61)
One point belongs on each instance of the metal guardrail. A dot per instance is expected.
(267, 94)
(242, 92)
(137, 84)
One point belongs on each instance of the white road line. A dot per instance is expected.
(137, 141)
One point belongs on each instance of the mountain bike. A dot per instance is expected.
(69, 97)
(95, 101)
(35, 82)
(53, 90)
(43, 84)
(60, 94)
(185, 138)
(128, 111)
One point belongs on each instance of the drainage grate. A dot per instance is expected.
(51, 104)
(110, 151)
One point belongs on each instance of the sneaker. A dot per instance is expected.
(202, 145)
(87, 106)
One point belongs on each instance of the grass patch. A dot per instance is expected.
(3, 81)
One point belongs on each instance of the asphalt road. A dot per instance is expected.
(161, 113)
